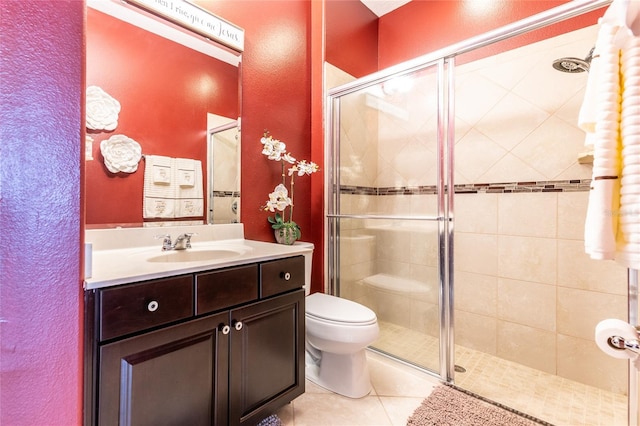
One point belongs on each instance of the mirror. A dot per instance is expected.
(175, 90)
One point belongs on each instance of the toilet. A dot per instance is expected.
(337, 333)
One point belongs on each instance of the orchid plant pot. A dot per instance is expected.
(286, 236)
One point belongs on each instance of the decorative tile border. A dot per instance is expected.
(226, 193)
(573, 185)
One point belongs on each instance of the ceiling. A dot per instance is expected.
(381, 7)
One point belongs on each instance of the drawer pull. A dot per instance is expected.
(285, 275)
(153, 306)
(237, 325)
(225, 329)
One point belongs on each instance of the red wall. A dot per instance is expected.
(165, 91)
(351, 37)
(276, 86)
(421, 27)
(41, 215)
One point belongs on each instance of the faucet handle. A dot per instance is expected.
(166, 241)
(187, 237)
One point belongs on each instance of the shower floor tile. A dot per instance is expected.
(551, 398)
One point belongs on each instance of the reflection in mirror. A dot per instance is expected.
(224, 170)
(166, 92)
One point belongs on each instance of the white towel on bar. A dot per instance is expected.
(190, 196)
(629, 221)
(603, 107)
(179, 195)
(601, 223)
(158, 192)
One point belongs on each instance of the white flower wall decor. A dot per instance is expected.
(121, 154)
(102, 110)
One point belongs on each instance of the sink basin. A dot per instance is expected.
(197, 255)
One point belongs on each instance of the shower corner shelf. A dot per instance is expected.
(585, 157)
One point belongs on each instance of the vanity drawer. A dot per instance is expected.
(225, 288)
(282, 275)
(136, 307)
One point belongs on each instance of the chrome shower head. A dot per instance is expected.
(573, 65)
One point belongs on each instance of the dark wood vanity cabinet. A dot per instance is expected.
(236, 358)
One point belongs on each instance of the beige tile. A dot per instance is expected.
(476, 332)
(334, 76)
(424, 204)
(528, 214)
(476, 213)
(527, 303)
(547, 88)
(393, 307)
(476, 95)
(527, 258)
(312, 409)
(425, 317)
(577, 270)
(356, 247)
(552, 147)
(582, 361)
(390, 378)
(400, 409)
(475, 153)
(286, 414)
(427, 278)
(423, 245)
(476, 253)
(511, 168)
(572, 211)
(529, 346)
(475, 293)
(416, 164)
(511, 120)
(579, 311)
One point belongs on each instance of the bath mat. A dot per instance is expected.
(447, 406)
(272, 420)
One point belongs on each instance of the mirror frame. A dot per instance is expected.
(138, 13)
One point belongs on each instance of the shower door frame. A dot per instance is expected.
(444, 59)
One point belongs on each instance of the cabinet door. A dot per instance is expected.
(173, 376)
(266, 359)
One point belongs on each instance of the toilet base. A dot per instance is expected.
(344, 374)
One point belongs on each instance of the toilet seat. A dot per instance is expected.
(330, 309)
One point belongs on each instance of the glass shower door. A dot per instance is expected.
(386, 209)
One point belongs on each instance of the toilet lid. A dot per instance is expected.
(336, 309)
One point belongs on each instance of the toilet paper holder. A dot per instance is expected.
(618, 342)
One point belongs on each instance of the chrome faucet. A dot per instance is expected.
(183, 242)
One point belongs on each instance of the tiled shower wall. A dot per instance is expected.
(524, 289)
(225, 200)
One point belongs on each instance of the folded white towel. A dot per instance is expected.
(158, 190)
(601, 223)
(186, 171)
(632, 169)
(190, 191)
(630, 181)
(587, 114)
(629, 190)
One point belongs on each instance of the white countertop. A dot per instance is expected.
(112, 265)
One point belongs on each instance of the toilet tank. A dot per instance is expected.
(308, 256)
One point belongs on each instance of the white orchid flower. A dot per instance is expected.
(304, 168)
(278, 199)
(273, 148)
(289, 158)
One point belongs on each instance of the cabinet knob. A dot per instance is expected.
(153, 306)
(237, 325)
(225, 329)
(285, 275)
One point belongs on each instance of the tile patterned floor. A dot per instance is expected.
(551, 398)
(397, 391)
